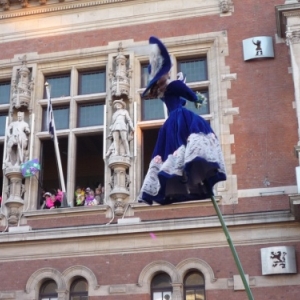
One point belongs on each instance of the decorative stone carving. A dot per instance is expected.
(120, 76)
(292, 37)
(5, 4)
(17, 141)
(22, 86)
(225, 6)
(121, 130)
(15, 191)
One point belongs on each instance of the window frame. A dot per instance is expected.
(80, 293)
(49, 296)
(166, 289)
(199, 287)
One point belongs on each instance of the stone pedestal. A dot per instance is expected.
(119, 182)
(15, 190)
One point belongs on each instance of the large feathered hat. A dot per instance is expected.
(160, 62)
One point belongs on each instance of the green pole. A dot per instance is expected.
(233, 251)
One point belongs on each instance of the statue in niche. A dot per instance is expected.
(17, 140)
(121, 130)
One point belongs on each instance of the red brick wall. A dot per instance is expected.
(125, 268)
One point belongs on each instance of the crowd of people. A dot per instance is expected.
(87, 196)
(82, 197)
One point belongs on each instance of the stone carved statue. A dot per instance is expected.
(17, 140)
(121, 130)
(22, 86)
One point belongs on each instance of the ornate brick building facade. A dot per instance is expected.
(92, 53)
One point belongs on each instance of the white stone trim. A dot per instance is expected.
(155, 267)
(195, 263)
(84, 272)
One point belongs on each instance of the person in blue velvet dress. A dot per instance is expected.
(187, 160)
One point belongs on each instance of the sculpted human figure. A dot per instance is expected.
(120, 126)
(17, 133)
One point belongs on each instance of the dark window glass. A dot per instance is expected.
(161, 288)
(203, 110)
(194, 288)
(79, 290)
(48, 291)
(60, 115)
(152, 109)
(3, 117)
(89, 162)
(49, 173)
(194, 69)
(92, 82)
(149, 141)
(60, 85)
(4, 92)
(90, 115)
(145, 75)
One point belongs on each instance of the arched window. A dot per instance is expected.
(161, 288)
(194, 288)
(48, 290)
(79, 289)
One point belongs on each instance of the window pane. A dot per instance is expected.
(152, 109)
(3, 117)
(194, 279)
(90, 115)
(167, 296)
(194, 295)
(157, 296)
(203, 110)
(149, 141)
(61, 118)
(60, 85)
(92, 82)
(145, 76)
(194, 69)
(49, 174)
(79, 286)
(49, 287)
(161, 281)
(4, 92)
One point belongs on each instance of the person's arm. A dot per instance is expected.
(178, 88)
(129, 121)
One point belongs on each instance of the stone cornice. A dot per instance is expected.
(55, 7)
(145, 227)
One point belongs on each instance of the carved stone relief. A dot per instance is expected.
(17, 142)
(121, 133)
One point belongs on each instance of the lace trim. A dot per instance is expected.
(199, 145)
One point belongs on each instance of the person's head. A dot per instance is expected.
(167, 297)
(20, 116)
(118, 104)
(97, 191)
(47, 195)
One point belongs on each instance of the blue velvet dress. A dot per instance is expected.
(187, 160)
